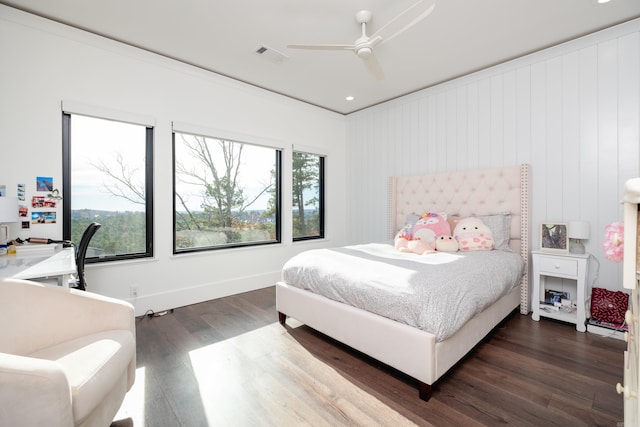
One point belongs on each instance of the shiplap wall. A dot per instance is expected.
(572, 112)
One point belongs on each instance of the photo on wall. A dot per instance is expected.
(44, 183)
(43, 217)
(43, 202)
(21, 189)
(37, 201)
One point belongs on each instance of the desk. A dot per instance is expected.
(59, 264)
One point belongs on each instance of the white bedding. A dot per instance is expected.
(437, 293)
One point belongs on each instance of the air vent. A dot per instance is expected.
(271, 54)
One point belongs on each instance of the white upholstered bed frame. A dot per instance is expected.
(410, 350)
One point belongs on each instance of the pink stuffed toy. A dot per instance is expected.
(416, 246)
(421, 238)
(429, 227)
(473, 235)
(402, 237)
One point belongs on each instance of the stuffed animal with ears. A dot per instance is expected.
(416, 246)
(430, 226)
(473, 235)
(421, 237)
(446, 243)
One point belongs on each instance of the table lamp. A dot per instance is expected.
(578, 230)
(8, 213)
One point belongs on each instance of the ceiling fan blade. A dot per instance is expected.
(322, 46)
(405, 20)
(373, 67)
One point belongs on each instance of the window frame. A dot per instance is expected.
(321, 196)
(278, 191)
(67, 184)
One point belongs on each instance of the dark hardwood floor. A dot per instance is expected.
(228, 362)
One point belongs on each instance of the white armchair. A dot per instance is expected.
(67, 357)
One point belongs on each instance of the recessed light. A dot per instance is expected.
(601, 1)
(349, 98)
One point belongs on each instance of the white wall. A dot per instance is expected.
(44, 63)
(571, 111)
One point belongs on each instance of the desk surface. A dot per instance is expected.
(60, 262)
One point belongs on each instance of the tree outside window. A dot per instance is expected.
(307, 196)
(108, 174)
(224, 193)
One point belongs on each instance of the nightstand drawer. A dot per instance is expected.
(556, 265)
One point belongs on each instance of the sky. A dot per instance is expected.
(94, 141)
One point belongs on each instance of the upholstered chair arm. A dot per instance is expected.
(19, 377)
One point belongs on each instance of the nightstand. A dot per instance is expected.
(563, 266)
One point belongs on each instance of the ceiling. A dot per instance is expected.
(458, 37)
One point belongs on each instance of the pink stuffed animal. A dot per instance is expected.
(473, 235)
(416, 246)
(430, 226)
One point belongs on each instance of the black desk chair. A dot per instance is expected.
(81, 253)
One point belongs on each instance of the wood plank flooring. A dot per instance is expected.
(228, 362)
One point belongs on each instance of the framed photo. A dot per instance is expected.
(553, 237)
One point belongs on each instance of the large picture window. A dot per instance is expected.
(308, 196)
(108, 174)
(226, 193)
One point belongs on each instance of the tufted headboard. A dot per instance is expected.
(467, 193)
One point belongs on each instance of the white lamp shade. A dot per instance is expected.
(579, 230)
(8, 209)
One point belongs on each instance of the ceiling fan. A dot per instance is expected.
(363, 46)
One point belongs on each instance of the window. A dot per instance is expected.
(308, 196)
(108, 177)
(226, 193)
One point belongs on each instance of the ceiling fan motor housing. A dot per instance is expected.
(364, 52)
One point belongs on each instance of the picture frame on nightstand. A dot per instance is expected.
(554, 237)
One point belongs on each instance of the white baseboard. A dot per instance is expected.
(605, 331)
(204, 292)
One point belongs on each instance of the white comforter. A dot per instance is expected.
(437, 293)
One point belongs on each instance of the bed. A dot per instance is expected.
(423, 355)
